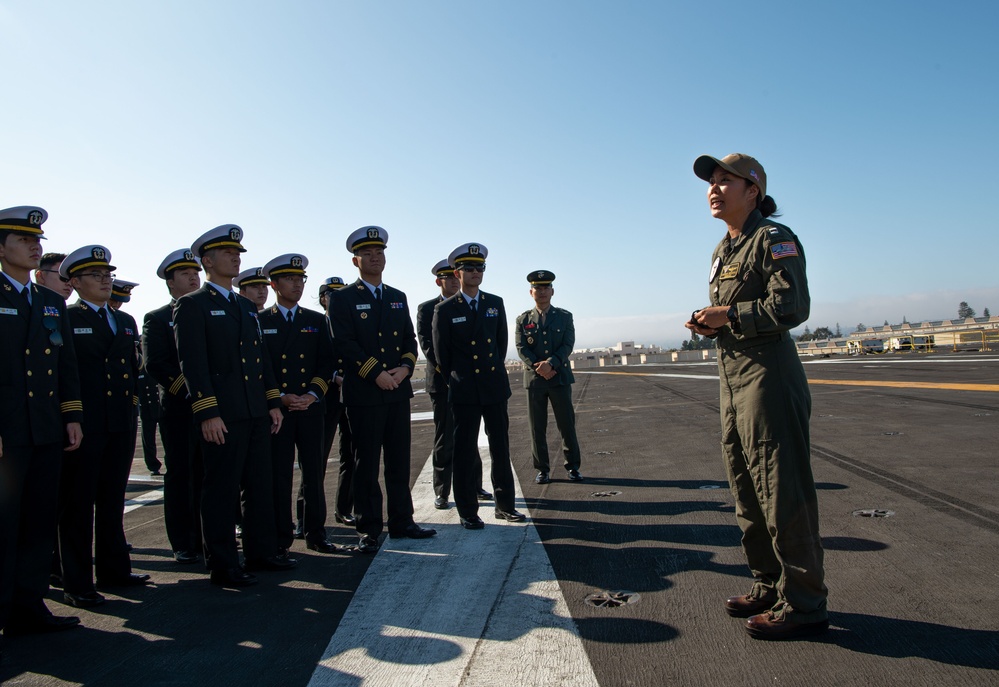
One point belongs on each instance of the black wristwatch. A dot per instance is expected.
(733, 318)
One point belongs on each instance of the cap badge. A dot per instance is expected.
(188, 255)
(373, 233)
(235, 234)
(473, 249)
(296, 261)
(34, 218)
(541, 275)
(98, 254)
(260, 271)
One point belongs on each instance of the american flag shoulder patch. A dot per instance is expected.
(784, 250)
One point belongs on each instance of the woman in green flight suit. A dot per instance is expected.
(759, 292)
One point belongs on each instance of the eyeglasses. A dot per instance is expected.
(64, 280)
(473, 268)
(98, 276)
(51, 324)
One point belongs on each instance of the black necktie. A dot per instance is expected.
(378, 294)
(472, 304)
(232, 299)
(103, 314)
(291, 317)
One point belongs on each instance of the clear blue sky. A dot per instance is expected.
(559, 134)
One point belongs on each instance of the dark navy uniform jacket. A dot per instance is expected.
(226, 369)
(159, 356)
(109, 369)
(553, 342)
(39, 382)
(372, 338)
(435, 381)
(471, 348)
(301, 351)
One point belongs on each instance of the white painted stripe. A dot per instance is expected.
(420, 417)
(655, 374)
(143, 500)
(463, 608)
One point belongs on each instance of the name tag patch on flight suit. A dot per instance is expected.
(784, 250)
(731, 271)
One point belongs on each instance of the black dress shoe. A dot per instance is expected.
(281, 561)
(472, 522)
(55, 581)
(132, 580)
(413, 531)
(325, 546)
(345, 519)
(367, 544)
(748, 605)
(155, 473)
(85, 600)
(128, 547)
(441, 503)
(233, 577)
(299, 531)
(484, 495)
(575, 476)
(41, 624)
(510, 516)
(542, 478)
(186, 557)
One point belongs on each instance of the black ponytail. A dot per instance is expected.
(768, 207)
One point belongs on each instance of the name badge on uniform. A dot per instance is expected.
(8, 311)
(270, 331)
(216, 313)
(730, 271)
(363, 306)
(456, 320)
(83, 330)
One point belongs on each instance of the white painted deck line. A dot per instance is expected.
(143, 499)
(477, 608)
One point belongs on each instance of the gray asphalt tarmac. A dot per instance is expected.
(909, 438)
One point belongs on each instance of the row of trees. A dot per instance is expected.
(965, 311)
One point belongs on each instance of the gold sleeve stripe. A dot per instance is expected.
(321, 383)
(409, 356)
(368, 366)
(135, 400)
(204, 404)
(177, 385)
(272, 394)
(70, 406)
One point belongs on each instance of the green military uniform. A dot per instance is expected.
(549, 340)
(765, 409)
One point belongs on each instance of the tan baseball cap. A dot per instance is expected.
(738, 164)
